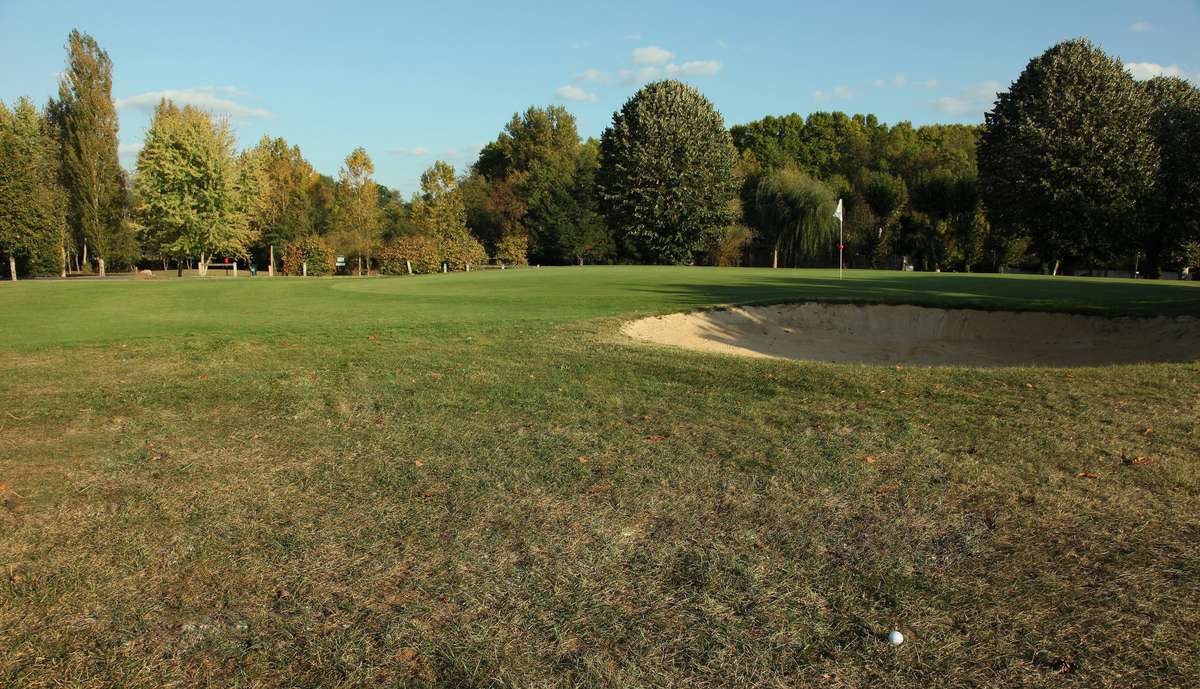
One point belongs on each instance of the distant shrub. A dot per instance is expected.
(420, 250)
(513, 249)
(462, 250)
(311, 250)
(729, 245)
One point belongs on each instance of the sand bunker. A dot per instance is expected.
(914, 335)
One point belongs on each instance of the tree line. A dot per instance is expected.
(1076, 166)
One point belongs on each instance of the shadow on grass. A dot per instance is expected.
(1092, 296)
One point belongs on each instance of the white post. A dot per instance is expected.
(408, 264)
(445, 267)
(304, 269)
(468, 267)
(841, 249)
(235, 267)
(271, 265)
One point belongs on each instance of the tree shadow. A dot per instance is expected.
(1091, 296)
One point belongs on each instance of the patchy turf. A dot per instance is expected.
(470, 480)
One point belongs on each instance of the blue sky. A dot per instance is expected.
(416, 82)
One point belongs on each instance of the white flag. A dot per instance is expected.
(838, 213)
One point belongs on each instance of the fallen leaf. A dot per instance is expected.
(870, 459)
(418, 463)
(597, 488)
(372, 337)
(1086, 474)
(885, 489)
(583, 459)
(1148, 431)
(657, 438)
(1138, 461)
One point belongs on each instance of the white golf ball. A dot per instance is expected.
(895, 638)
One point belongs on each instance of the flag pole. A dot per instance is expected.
(841, 250)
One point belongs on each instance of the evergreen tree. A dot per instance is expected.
(1066, 156)
(666, 176)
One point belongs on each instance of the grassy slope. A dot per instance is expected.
(469, 480)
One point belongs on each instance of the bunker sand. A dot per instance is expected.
(921, 336)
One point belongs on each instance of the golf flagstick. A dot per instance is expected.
(841, 245)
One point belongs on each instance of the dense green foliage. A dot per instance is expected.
(535, 184)
(194, 192)
(666, 176)
(94, 181)
(1171, 220)
(1066, 156)
(32, 202)
(871, 166)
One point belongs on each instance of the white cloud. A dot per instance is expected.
(466, 153)
(973, 100)
(1148, 70)
(694, 68)
(592, 76)
(127, 149)
(639, 75)
(1140, 26)
(204, 97)
(574, 93)
(840, 91)
(414, 152)
(651, 55)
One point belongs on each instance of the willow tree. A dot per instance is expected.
(87, 120)
(357, 214)
(666, 175)
(795, 213)
(195, 193)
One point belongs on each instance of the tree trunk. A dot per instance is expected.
(202, 266)
(84, 262)
(100, 264)
(62, 272)
(12, 266)
(775, 257)
(271, 265)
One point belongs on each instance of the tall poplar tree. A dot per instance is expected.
(87, 120)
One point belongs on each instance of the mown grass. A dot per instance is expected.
(471, 480)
